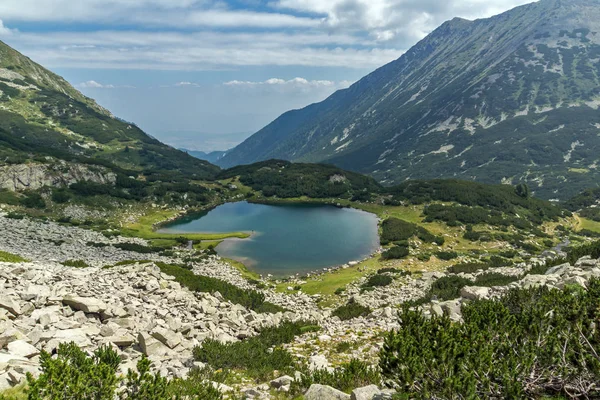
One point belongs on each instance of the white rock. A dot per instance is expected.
(365, 393)
(85, 304)
(322, 392)
(22, 349)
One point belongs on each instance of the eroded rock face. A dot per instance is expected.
(35, 176)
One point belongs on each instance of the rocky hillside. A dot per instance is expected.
(510, 98)
(44, 119)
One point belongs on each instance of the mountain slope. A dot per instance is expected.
(44, 119)
(510, 98)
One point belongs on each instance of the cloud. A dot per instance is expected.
(403, 21)
(4, 31)
(295, 84)
(96, 85)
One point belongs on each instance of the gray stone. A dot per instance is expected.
(475, 293)
(85, 304)
(167, 337)
(22, 349)
(322, 392)
(121, 341)
(281, 381)
(317, 362)
(559, 269)
(365, 393)
(10, 305)
(151, 346)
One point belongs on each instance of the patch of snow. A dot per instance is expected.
(574, 146)
(342, 147)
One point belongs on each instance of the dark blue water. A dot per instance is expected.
(288, 239)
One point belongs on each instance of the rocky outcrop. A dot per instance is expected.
(35, 176)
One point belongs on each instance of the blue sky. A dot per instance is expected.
(203, 74)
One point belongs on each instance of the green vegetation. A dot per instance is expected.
(529, 344)
(395, 229)
(254, 355)
(75, 375)
(378, 280)
(76, 264)
(346, 377)
(446, 288)
(286, 180)
(12, 258)
(351, 310)
(247, 298)
(395, 253)
(494, 279)
(446, 255)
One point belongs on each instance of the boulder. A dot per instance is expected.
(167, 337)
(88, 305)
(281, 381)
(317, 362)
(323, 392)
(10, 305)
(559, 269)
(365, 393)
(151, 346)
(121, 341)
(22, 349)
(475, 293)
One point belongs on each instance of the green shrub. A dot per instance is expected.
(378, 280)
(60, 196)
(351, 310)
(75, 264)
(75, 375)
(494, 279)
(255, 355)
(395, 253)
(8, 197)
(346, 377)
(342, 347)
(138, 248)
(394, 230)
(14, 215)
(446, 288)
(247, 298)
(33, 200)
(446, 255)
(535, 343)
(468, 268)
(339, 291)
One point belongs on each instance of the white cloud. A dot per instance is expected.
(295, 84)
(96, 85)
(403, 20)
(4, 31)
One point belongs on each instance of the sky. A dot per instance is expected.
(205, 74)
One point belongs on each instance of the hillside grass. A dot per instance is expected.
(9, 257)
(144, 228)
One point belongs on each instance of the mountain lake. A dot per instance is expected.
(287, 239)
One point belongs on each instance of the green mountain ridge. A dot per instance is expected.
(45, 119)
(508, 99)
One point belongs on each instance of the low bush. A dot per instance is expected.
(446, 288)
(343, 347)
(468, 268)
(33, 200)
(75, 264)
(351, 310)
(494, 279)
(138, 248)
(394, 230)
(247, 298)
(394, 271)
(256, 354)
(346, 377)
(446, 255)
(378, 280)
(395, 253)
(72, 374)
(534, 343)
